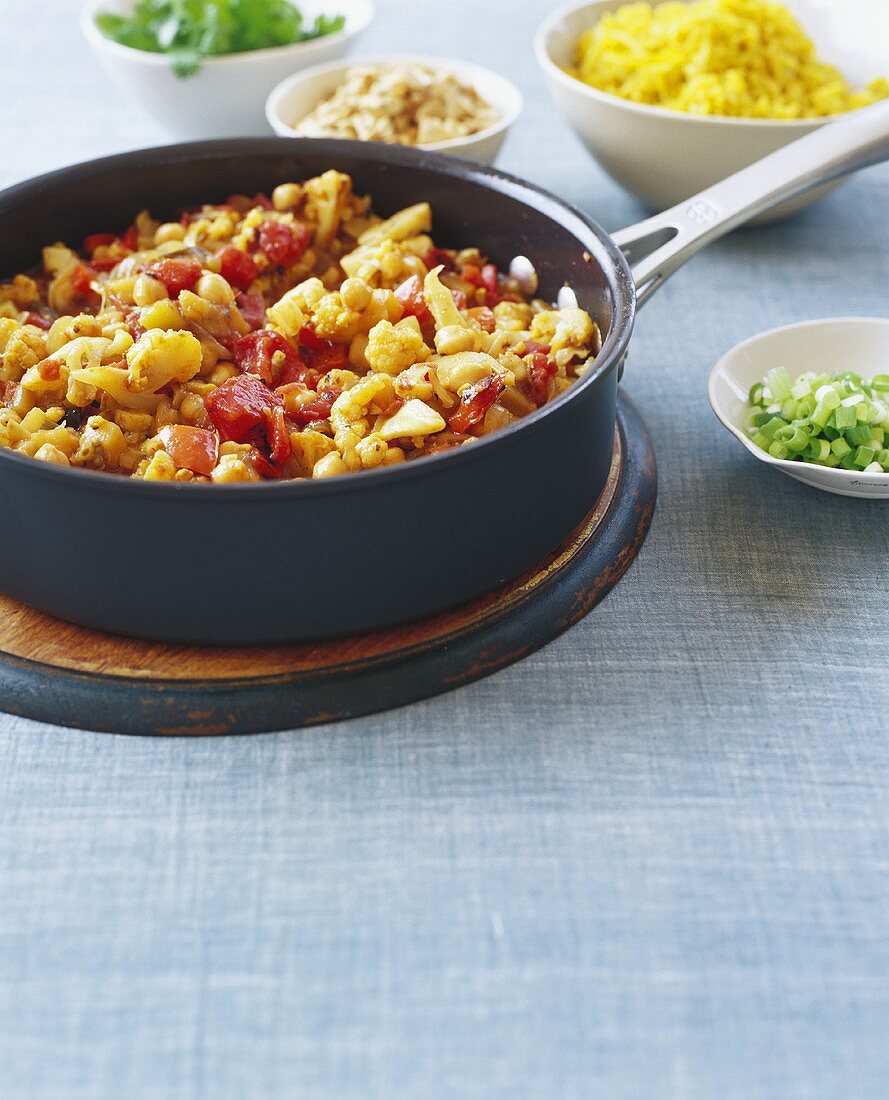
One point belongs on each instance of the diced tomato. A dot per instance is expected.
(194, 449)
(177, 273)
(540, 370)
(529, 347)
(436, 256)
(298, 372)
(277, 435)
(252, 307)
(49, 370)
(105, 265)
(267, 354)
(32, 318)
(413, 300)
(130, 239)
(264, 467)
(283, 244)
(489, 279)
(485, 278)
(308, 338)
(459, 298)
(238, 405)
(81, 276)
(485, 317)
(237, 267)
(475, 401)
(323, 355)
(316, 409)
(97, 240)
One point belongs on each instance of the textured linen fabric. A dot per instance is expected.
(649, 861)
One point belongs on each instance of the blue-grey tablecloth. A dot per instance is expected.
(648, 862)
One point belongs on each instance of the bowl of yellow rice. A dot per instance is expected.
(669, 98)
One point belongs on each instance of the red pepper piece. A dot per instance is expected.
(194, 449)
(539, 371)
(238, 405)
(130, 239)
(177, 274)
(237, 267)
(413, 300)
(277, 435)
(475, 401)
(256, 353)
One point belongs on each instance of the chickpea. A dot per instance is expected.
(215, 289)
(169, 231)
(286, 195)
(147, 291)
(356, 294)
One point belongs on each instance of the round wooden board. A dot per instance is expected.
(56, 672)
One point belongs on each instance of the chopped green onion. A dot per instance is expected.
(836, 421)
(778, 383)
(845, 417)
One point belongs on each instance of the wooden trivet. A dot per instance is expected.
(56, 672)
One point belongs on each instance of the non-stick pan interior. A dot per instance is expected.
(471, 205)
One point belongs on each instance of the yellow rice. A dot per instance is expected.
(745, 58)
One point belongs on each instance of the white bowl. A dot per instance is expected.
(860, 344)
(226, 97)
(663, 156)
(295, 97)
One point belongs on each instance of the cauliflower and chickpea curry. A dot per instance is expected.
(263, 338)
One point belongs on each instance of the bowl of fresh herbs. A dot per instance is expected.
(203, 68)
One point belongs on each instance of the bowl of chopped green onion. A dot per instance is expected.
(203, 68)
(812, 400)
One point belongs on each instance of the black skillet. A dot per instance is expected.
(310, 559)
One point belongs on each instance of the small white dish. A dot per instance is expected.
(226, 98)
(860, 344)
(295, 97)
(663, 156)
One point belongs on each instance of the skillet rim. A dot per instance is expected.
(618, 278)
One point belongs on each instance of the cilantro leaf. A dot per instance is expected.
(190, 30)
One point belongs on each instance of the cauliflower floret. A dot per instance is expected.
(160, 357)
(326, 196)
(308, 447)
(102, 444)
(25, 348)
(393, 348)
(563, 328)
(513, 316)
(385, 263)
(456, 371)
(409, 222)
(333, 320)
(416, 381)
(348, 416)
(22, 291)
(413, 420)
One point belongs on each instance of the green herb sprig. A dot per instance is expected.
(190, 30)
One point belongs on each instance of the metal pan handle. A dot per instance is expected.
(660, 245)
